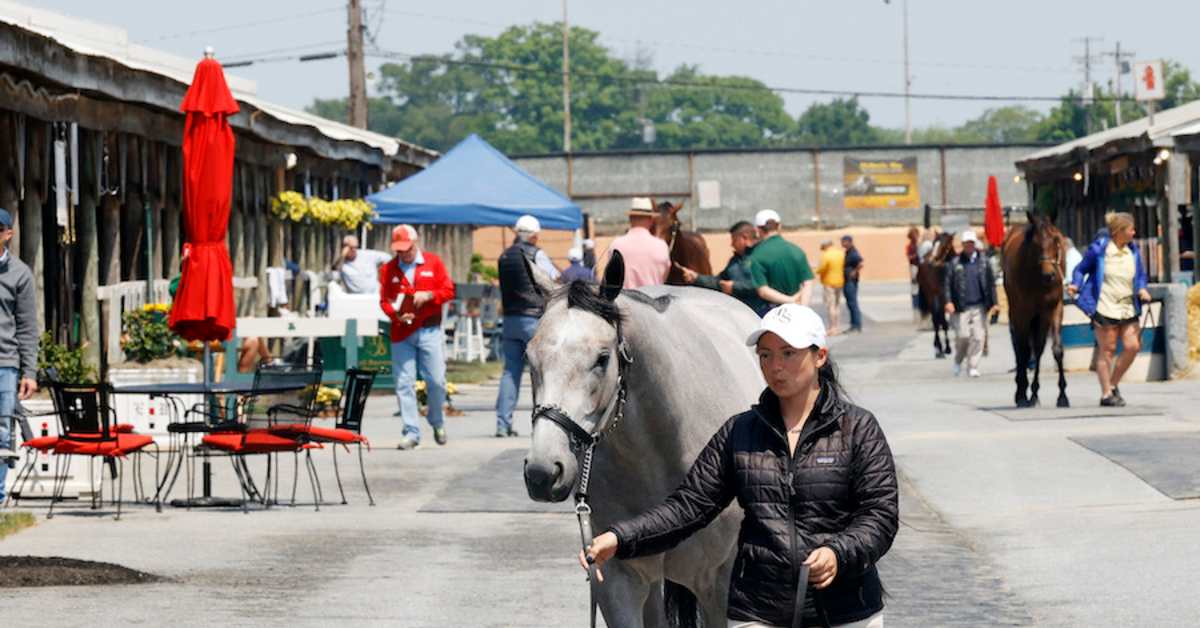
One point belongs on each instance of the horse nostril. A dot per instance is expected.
(558, 471)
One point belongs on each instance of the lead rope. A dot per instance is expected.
(583, 510)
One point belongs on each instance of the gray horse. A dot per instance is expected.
(690, 371)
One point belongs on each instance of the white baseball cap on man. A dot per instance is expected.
(798, 325)
(764, 216)
(527, 224)
(575, 254)
(968, 235)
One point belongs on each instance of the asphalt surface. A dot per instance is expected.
(1038, 520)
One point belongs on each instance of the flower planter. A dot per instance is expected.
(151, 416)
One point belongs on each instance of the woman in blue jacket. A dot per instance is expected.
(1110, 286)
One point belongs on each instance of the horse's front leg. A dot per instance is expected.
(1057, 348)
(626, 591)
(1021, 351)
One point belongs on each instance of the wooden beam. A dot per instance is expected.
(32, 250)
(88, 243)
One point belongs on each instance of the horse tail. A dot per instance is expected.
(682, 607)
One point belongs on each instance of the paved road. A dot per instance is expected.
(1007, 518)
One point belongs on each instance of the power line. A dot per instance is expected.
(656, 43)
(702, 85)
(231, 27)
(260, 56)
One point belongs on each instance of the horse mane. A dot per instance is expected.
(583, 295)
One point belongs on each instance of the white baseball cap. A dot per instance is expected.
(528, 224)
(798, 325)
(764, 216)
(575, 254)
(968, 235)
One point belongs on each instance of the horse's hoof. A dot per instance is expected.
(940, 356)
(1063, 402)
(1022, 403)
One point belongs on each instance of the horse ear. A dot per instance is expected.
(614, 276)
(542, 283)
(675, 209)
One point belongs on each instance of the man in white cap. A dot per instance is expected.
(970, 295)
(576, 271)
(780, 268)
(647, 258)
(358, 268)
(522, 304)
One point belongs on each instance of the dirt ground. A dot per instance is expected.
(882, 248)
(54, 571)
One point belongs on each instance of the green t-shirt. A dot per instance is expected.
(777, 263)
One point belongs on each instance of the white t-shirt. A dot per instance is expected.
(361, 275)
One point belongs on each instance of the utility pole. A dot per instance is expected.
(358, 72)
(907, 80)
(566, 29)
(1088, 90)
(907, 75)
(1120, 67)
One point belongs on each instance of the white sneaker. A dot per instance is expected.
(973, 372)
(957, 370)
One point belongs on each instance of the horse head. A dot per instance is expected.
(1048, 242)
(575, 359)
(666, 219)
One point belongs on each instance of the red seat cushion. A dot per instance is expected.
(123, 428)
(252, 442)
(41, 443)
(123, 444)
(330, 434)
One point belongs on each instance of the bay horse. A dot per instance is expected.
(930, 280)
(598, 346)
(1034, 267)
(688, 248)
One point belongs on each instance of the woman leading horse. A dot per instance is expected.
(1111, 286)
(815, 478)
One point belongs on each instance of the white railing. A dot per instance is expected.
(128, 296)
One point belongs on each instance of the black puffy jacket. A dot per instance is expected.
(839, 491)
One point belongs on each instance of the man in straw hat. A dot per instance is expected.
(647, 258)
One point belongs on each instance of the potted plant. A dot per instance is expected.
(153, 354)
(423, 398)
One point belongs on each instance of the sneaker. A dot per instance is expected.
(958, 369)
(1117, 393)
(973, 373)
(407, 443)
(397, 413)
(501, 433)
(439, 435)
(512, 433)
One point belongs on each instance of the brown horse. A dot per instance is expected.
(930, 281)
(688, 248)
(1034, 266)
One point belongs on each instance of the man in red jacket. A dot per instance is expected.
(412, 288)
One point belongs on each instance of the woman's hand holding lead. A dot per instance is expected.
(602, 548)
(822, 567)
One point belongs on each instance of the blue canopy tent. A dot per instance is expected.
(474, 184)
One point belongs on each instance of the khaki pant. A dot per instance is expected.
(970, 329)
(833, 304)
(874, 621)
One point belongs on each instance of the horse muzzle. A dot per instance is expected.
(547, 481)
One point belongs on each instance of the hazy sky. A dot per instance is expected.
(1017, 47)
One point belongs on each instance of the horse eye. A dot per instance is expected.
(602, 362)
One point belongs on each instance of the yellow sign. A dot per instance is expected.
(880, 183)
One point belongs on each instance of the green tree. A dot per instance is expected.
(842, 122)
(1180, 87)
(692, 110)
(1001, 125)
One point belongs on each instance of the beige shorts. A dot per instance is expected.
(833, 296)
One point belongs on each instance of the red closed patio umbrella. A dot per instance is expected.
(203, 307)
(993, 215)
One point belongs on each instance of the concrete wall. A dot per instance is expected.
(803, 185)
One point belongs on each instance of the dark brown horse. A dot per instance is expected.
(688, 248)
(1034, 265)
(930, 279)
